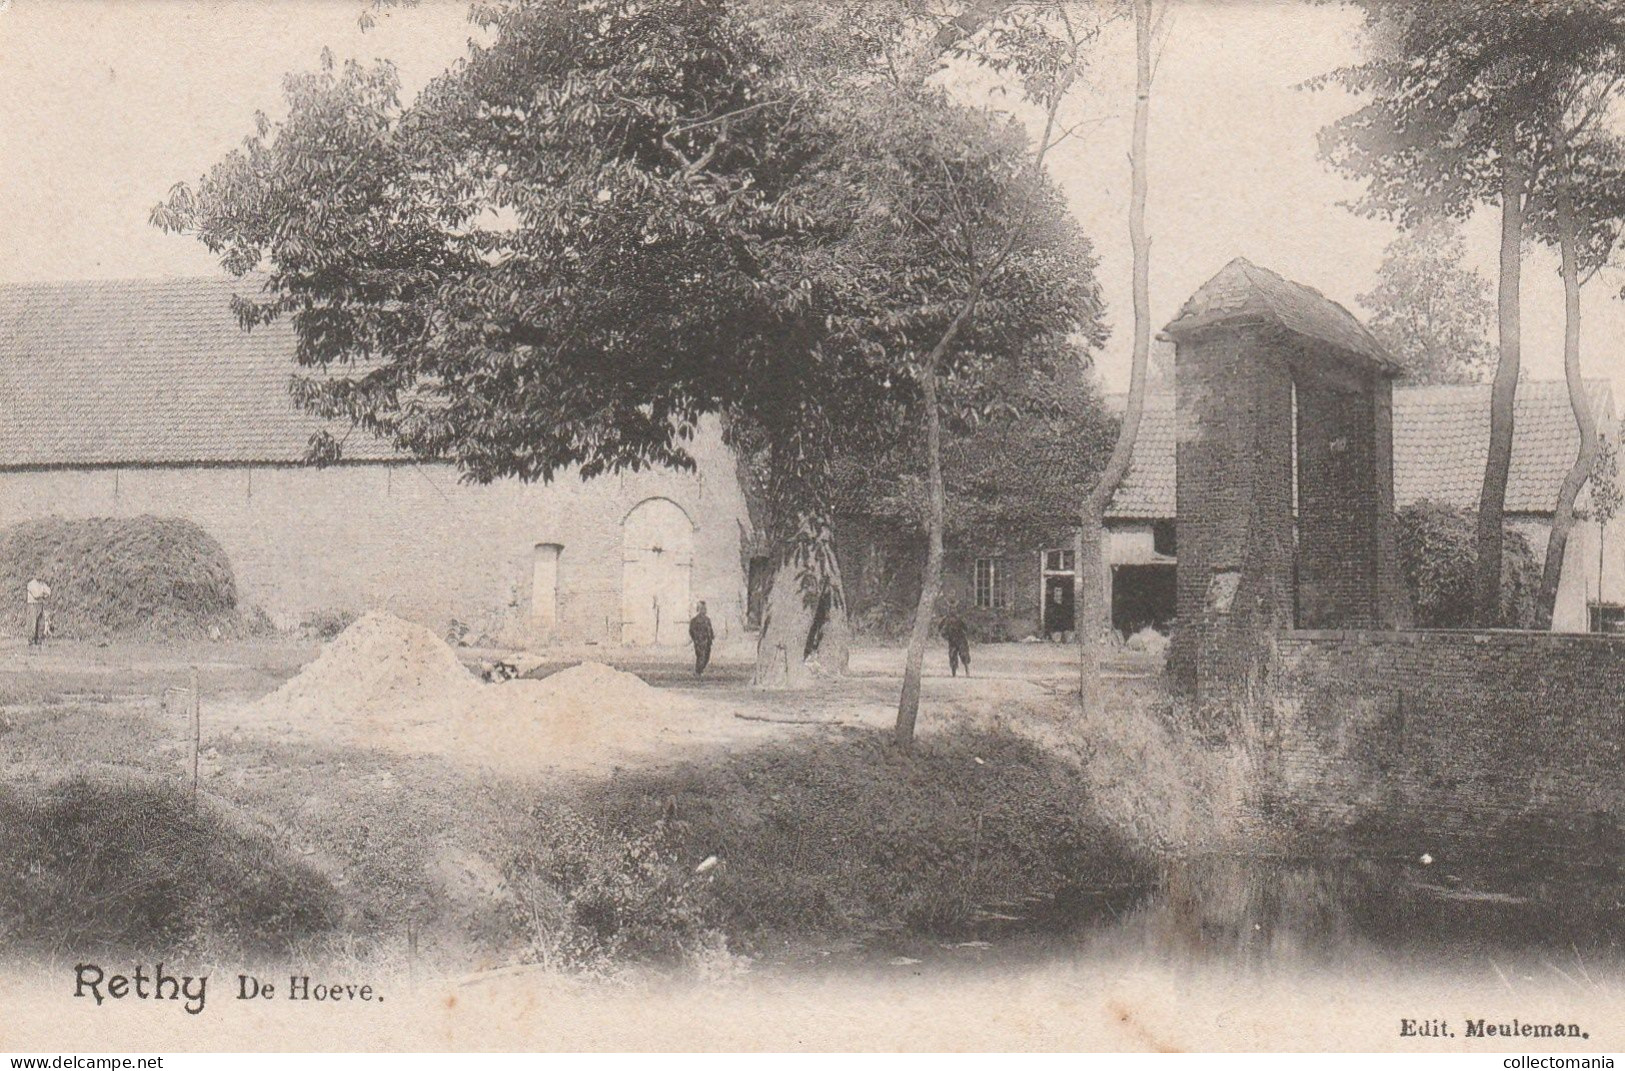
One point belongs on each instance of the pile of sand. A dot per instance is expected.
(380, 675)
(589, 711)
(385, 682)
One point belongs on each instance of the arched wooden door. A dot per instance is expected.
(657, 556)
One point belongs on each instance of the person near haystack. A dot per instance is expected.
(700, 634)
(39, 593)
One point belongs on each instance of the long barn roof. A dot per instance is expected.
(154, 371)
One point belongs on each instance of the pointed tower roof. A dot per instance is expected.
(1244, 292)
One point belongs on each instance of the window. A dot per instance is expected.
(1607, 617)
(987, 585)
(1059, 561)
(1163, 538)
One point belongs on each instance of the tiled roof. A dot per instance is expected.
(147, 372)
(1242, 291)
(1441, 440)
(1147, 491)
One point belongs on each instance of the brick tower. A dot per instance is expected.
(1285, 486)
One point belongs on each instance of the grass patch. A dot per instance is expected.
(830, 839)
(128, 865)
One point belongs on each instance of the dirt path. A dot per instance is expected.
(718, 712)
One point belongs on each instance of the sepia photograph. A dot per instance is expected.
(725, 526)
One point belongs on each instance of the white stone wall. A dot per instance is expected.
(412, 539)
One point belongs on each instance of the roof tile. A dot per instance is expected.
(1441, 442)
(1244, 291)
(148, 372)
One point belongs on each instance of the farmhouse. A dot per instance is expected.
(146, 397)
(1441, 438)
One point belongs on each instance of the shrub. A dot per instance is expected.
(592, 896)
(848, 837)
(131, 866)
(160, 576)
(257, 623)
(325, 624)
(1438, 548)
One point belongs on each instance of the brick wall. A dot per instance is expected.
(1337, 508)
(1466, 740)
(413, 539)
(1234, 495)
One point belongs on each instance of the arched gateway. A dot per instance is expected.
(657, 556)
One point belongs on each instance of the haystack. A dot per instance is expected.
(163, 577)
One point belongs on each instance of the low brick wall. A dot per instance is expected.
(1466, 739)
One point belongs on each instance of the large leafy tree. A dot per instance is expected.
(1431, 310)
(1461, 100)
(1013, 457)
(607, 221)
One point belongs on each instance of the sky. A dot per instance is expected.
(105, 104)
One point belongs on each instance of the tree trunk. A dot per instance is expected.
(1580, 471)
(1503, 395)
(1094, 616)
(925, 613)
(805, 635)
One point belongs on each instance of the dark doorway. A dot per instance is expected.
(1057, 604)
(757, 582)
(1142, 596)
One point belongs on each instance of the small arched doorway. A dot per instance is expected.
(544, 584)
(657, 556)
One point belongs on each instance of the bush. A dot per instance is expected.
(592, 896)
(159, 576)
(130, 866)
(848, 838)
(1438, 548)
(325, 624)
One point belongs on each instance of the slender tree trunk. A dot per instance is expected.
(925, 614)
(1563, 516)
(1504, 392)
(1094, 616)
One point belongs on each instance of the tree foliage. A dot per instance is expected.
(1437, 552)
(1607, 496)
(1016, 469)
(1452, 89)
(1431, 311)
(1469, 102)
(610, 219)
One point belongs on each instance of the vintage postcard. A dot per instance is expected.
(825, 525)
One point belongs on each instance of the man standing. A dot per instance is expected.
(953, 630)
(38, 592)
(700, 635)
